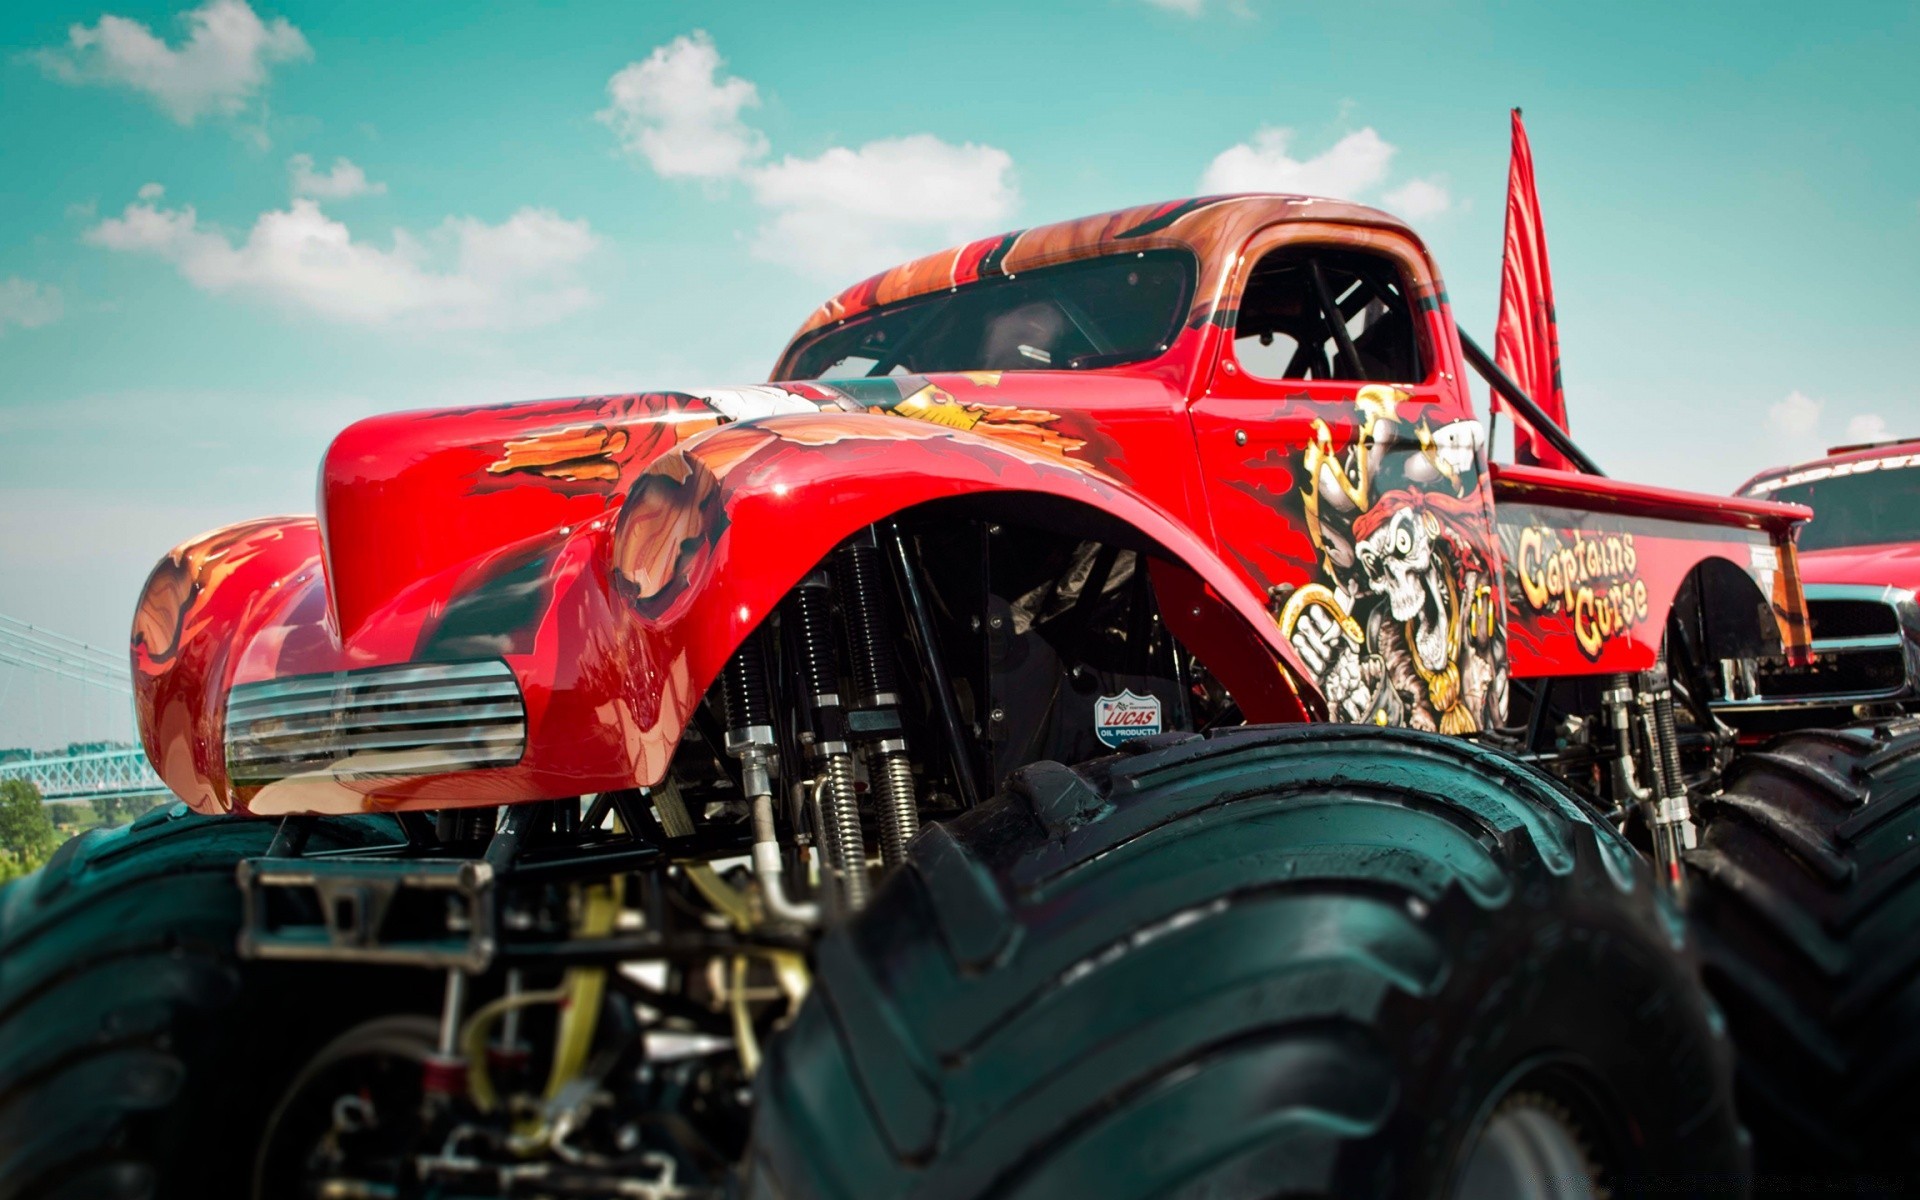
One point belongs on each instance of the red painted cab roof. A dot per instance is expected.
(1212, 227)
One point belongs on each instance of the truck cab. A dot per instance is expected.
(1311, 412)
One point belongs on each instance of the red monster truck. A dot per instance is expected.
(660, 795)
(1860, 561)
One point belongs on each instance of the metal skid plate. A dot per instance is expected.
(415, 912)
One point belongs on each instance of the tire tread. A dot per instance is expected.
(1806, 893)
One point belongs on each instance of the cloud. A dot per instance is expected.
(343, 181)
(1418, 199)
(1795, 418)
(465, 274)
(1353, 168)
(1355, 165)
(152, 191)
(1868, 427)
(1186, 8)
(673, 110)
(843, 213)
(850, 212)
(28, 304)
(1798, 426)
(217, 70)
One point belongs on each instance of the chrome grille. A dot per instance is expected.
(405, 720)
(1838, 617)
(1866, 650)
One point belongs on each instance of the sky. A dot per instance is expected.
(226, 231)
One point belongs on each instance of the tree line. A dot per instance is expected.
(30, 829)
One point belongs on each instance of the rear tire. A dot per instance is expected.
(1806, 897)
(1306, 961)
(138, 1056)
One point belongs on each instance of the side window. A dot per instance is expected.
(1318, 312)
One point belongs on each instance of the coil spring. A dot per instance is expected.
(814, 637)
(870, 637)
(869, 633)
(847, 847)
(899, 811)
(1669, 751)
(743, 686)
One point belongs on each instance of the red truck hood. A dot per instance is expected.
(1897, 564)
(452, 542)
(407, 496)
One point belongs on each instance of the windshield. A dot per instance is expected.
(1866, 507)
(1098, 313)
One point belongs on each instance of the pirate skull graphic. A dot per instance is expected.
(1397, 561)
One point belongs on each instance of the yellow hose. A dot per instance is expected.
(743, 1036)
(790, 968)
(726, 899)
(473, 1040)
(585, 987)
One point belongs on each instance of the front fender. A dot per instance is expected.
(197, 604)
(615, 628)
(714, 534)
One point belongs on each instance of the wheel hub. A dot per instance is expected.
(1531, 1148)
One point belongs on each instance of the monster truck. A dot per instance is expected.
(662, 794)
(1860, 564)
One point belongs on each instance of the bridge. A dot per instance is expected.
(56, 689)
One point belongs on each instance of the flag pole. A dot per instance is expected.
(1524, 407)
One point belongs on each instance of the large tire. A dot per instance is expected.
(1806, 897)
(1304, 961)
(137, 1057)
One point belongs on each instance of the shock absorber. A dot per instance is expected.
(875, 720)
(743, 687)
(1616, 702)
(843, 845)
(1648, 707)
(750, 739)
(1669, 816)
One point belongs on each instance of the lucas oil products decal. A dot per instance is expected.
(1125, 717)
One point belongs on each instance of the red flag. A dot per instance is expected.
(1527, 341)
